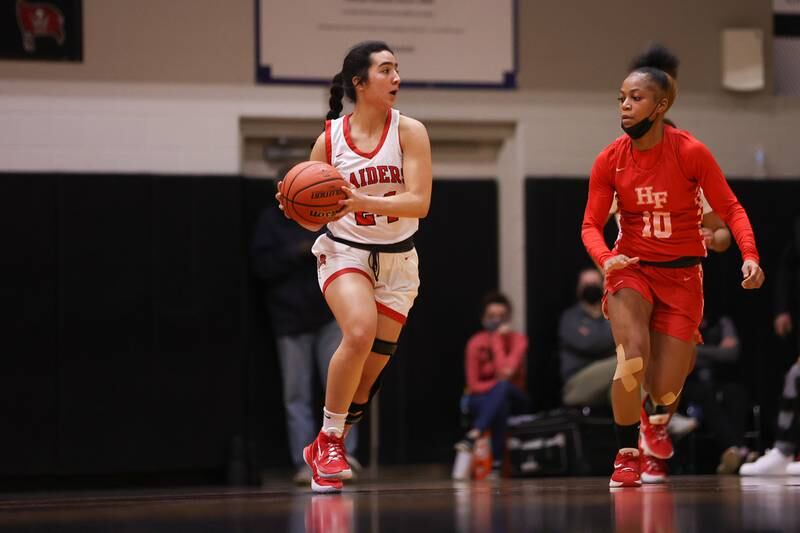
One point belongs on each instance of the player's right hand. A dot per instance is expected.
(617, 262)
(783, 324)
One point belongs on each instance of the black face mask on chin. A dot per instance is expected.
(638, 130)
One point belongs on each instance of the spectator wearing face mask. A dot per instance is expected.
(586, 346)
(495, 363)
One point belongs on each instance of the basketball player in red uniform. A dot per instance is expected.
(653, 286)
(366, 262)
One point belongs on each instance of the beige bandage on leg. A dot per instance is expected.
(626, 368)
(670, 397)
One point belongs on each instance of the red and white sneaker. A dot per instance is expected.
(654, 470)
(319, 484)
(329, 456)
(654, 439)
(626, 469)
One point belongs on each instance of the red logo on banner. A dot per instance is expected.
(39, 20)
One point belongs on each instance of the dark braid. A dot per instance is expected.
(335, 101)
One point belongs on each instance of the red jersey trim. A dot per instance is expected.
(342, 272)
(328, 150)
(391, 313)
(377, 149)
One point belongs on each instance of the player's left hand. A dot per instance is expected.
(354, 201)
(753, 275)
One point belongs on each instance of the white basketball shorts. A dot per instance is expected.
(398, 278)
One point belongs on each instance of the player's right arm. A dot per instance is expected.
(601, 195)
(318, 153)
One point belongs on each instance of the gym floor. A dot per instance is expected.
(685, 504)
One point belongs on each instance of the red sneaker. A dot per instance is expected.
(319, 484)
(330, 458)
(654, 470)
(653, 436)
(626, 469)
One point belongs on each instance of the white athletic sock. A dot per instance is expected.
(333, 422)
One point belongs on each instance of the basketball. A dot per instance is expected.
(311, 192)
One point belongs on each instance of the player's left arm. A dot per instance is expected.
(724, 202)
(417, 175)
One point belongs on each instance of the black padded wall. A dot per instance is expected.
(29, 324)
(125, 315)
(137, 344)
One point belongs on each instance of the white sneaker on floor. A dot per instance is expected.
(772, 463)
(302, 476)
(354, 464)
(793, 469)
(681, 425)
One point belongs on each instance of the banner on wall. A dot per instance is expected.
(439, 43)
(50, 30)
(786, 46)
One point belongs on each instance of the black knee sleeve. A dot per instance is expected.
(652, 408)
(376, 386)
(384, 347)
(356, 410)
(355, 413)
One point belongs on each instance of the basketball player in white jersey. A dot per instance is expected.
(367, 264)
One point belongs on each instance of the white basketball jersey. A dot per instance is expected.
(378, 173)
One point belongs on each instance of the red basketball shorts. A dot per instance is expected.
(675, 293)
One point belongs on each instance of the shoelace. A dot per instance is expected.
(335, 450)
(654, 464)
(659, 431)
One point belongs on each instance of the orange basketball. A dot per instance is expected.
(311, 192)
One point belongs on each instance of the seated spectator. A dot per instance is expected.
(495, 363)
(586, 347)
(780, 459)
(713, 395)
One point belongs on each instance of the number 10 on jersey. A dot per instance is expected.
(657, 223)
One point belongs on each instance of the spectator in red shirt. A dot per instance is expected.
(495, 363)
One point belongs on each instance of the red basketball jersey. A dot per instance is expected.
(659, 197)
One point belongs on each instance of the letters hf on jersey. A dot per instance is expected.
(379, 174)
(646, 196)
(658, 223)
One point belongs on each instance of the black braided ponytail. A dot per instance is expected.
(335, 101)
(356, 65)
